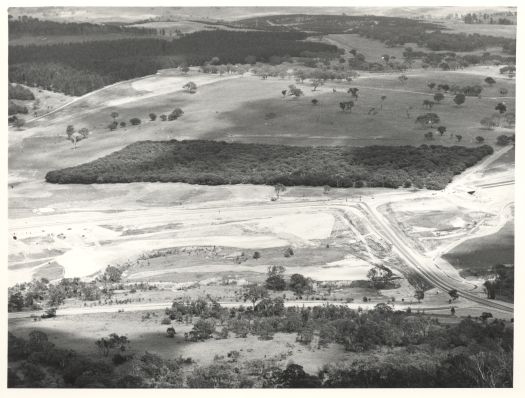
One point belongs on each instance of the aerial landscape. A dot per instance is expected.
(261, 197)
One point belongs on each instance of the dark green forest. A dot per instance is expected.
(217, 163)
(77, 68)
(393, 31)
(29, 26)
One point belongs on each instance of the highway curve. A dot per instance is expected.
(417, 261)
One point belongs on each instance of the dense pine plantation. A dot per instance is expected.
(391, 30)
(77, 68)
(217, 163)
(29, 26)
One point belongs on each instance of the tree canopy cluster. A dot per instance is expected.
(217, 163)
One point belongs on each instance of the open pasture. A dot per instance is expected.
(252, 110)
(508, 31)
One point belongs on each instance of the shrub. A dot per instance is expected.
(135, 121)
(202, 330)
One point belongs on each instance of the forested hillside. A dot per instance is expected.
(392, 31)
(217, 163)
(77, 68)
(25, 25)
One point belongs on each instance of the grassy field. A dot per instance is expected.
(479, 255)
(373, 50)
(252, 110)
(508, 31)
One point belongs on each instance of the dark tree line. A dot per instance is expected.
(77, 68)
(29, 26)
(393, 31)
(217, 163)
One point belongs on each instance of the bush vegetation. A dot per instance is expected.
(217, 163)
(421, 352)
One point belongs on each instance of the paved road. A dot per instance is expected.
(423, 265)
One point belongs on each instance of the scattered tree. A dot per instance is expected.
(428, 119)
(275, 280)
(503, 140)
(488, 122)
(153, 117)
(453, 293)
(190, 87)
(294, 91)
(490, 81)
(177, 112)
(428, 104)
(278, 189)
(346, 106)
(501, 107)
(438, 97)
(70, 130)
(459, 99)
(135, 121)
(441, 130)
(429, 136)
(254, 293)
(379, 276)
